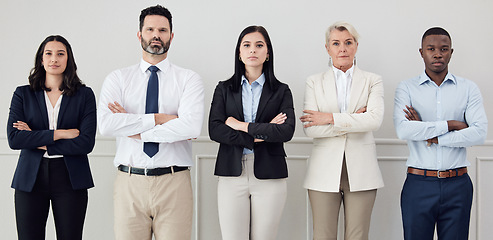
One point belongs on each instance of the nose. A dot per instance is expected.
(252, 50)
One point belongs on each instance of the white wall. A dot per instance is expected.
(103, 37)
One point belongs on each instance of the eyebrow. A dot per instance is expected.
(337, 40)
(246, 41)
(49, 50)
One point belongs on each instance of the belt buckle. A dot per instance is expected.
(145, 171)
(438, 174)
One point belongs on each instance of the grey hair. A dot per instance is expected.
(341, 26)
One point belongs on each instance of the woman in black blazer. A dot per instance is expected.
(53, 122)
(251, 116)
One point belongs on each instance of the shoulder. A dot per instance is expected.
(414, 81)
(85, 90)
(122, 72)
(184, 72)
(366, 74)
(24, 90)
(318, 76)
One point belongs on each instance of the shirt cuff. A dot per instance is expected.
(442, 128)
(148, 122)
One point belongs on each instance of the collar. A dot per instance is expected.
(424, 78)
(260, 80)
(163, 65)
(338, 72)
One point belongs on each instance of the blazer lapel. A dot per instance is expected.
(63, 107)
(40, 97)
(330, 92)
(357, 88)
(264, 99)
(238, 103)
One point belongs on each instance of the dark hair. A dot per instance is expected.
(435, 31)
(71, 82)
(268, 66)
(155, 10)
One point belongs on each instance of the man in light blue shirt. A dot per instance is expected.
(439, 114)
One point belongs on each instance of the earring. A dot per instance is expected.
(354, 61)
(330, 61)
(267, 59)
(240, 58)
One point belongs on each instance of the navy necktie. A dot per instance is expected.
(151, 148)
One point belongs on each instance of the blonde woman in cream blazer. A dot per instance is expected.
(342, 107)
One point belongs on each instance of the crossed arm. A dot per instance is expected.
(453, 125)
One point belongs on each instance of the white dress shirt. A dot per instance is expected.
(181, 93)
(52, 118)
(343, 86)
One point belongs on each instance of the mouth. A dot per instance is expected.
(437, 63)
(53, 66)
(252, 58)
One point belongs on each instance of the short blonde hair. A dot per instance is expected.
(341, 26)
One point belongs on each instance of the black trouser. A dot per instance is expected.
(68, 205)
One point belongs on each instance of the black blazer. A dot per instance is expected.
(270, 161)
(77, 111)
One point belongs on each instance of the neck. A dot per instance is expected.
(53, 82)
(343, 68)
(438, 78)
(153, 59)
(252, 74)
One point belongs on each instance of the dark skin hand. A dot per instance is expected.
(453, 125)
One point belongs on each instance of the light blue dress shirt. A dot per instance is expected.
(250, 96)
(455, 99)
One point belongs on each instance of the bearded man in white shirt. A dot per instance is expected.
(154, 109)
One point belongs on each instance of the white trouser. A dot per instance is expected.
(250, 208)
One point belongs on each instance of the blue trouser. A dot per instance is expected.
(446, 202)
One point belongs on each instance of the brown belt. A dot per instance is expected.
(440, 174)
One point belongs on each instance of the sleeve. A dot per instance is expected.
(270, 132)
(218, 130)
(20, 139)
(188, 125)
(475, 117)
(119, 124)
(369, 120)
(413, 130)
(84, 143)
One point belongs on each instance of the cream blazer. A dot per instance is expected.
(350, 135)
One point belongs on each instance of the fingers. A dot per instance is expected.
(361, 110)
(116, 108)
(20, 125)
(279, 119)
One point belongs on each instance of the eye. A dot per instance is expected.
(246, 45)
(335, 44)
(444, 49)
(260, 45)
(48, 53)
(349, 43)
(61, 54)
(431, 49)
(163, 30)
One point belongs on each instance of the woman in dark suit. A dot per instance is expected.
(53, 122)
(251, 116)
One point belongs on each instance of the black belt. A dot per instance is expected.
(151, 172)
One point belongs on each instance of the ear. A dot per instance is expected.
(326, 47)
(451, 51)
(421, 52)
(171, 38)
(139, 36)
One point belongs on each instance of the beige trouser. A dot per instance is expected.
(249, 208)
(144, 205)
(357, 211)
